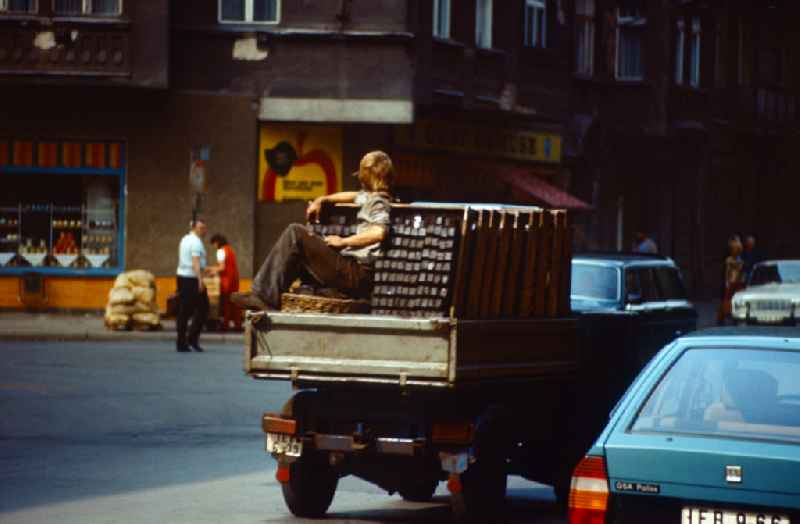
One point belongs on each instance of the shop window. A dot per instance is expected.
(18, 6)
(694, 54)
(680, 44)
(584, 37)
(62, 207)
(441, 18)
(535, 23)
(249, 11)
(483, 23)
(88, 7)
(631, 26)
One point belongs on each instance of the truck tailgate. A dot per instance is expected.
(407, 351)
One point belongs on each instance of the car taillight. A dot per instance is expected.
(588, 494)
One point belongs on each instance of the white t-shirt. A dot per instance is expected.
(191, 246)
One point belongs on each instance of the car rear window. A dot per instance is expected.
(594, 282)
(781, 272)
(739, 393)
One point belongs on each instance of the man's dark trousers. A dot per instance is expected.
(301, 253)
(191, 304)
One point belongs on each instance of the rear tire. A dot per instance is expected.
(483, 494)
(311, 487)
(419, 492)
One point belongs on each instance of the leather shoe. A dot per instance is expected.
(183, 349)
(196, 348)
(248, 301)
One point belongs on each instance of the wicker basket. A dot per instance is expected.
(293, 303)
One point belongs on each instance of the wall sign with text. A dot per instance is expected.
(517, 144)
(299, 162)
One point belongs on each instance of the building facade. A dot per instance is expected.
(121, 119)
(684, 122)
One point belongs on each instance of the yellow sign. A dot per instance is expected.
(434, 135)
(299, 162)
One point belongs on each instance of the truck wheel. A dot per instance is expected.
(483, 494)
(419, 492)
(312, 484)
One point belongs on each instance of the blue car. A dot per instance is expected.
(709, 432)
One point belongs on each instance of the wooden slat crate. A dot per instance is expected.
(467, 261)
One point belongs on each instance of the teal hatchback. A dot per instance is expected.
(708, 433)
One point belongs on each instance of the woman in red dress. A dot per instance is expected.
(228, 273)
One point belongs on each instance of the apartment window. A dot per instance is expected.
(441, 18)
(483, 23)
(88, 7)
(250, 11)
(631, 25)
(694, 54)
(535, 23)
(680, 44)
(18, 6)
(584, 35)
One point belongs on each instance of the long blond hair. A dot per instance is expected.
(376, 172)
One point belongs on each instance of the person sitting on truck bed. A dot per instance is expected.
(344, 263)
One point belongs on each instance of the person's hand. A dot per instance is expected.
(200, 285)
(313, 209)
(335, 241)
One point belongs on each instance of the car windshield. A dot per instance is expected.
(739, 393)
(780, 272)
(594, 282)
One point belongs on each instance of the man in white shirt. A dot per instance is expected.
(192, 296)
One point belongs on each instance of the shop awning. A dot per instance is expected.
(543, 192)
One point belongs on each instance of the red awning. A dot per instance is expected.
(540, 190)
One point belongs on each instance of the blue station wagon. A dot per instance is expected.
(708, 433)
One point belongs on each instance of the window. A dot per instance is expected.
(590, 282)
(694, 57)
(63, 206)
(733, 393)
(483, 23)
(441, 18)
(584, 37)
(535, 23)
(18, 6)
(250, 11)
(631, 25)
(680, 43)
(88, 7)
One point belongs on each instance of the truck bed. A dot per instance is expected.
(414, 352)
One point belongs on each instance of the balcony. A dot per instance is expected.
(754, 107)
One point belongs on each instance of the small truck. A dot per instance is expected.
(468, 367)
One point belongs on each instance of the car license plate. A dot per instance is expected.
(696, 515)
(284, 444)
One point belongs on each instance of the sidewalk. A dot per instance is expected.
(62, 326)
(89, 326)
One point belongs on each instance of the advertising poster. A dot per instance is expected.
(299, 162)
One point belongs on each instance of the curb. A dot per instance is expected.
(112, 336)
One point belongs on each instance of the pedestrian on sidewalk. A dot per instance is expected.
(192, 296)
(228, 272)
(733, 278)
(343, 263)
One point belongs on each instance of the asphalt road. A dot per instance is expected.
(135, 432)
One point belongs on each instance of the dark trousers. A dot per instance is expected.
(191, 304)
(299, 253)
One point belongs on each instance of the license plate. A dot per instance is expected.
(718, 516)
(284, 444)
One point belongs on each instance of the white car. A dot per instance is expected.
(772, 295)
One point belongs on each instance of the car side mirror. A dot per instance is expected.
(634, 298)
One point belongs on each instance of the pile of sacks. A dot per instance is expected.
(132, 302)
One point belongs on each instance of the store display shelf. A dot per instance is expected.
(34, 259)
(62, 271)
(97, 261)
(6, 257)
(65, 260)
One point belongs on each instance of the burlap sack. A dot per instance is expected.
(121, 309)
(116, 321)
(141, 278)
(122, 281)
(144, 294)
(144, 307)
(146, 321)
(120, 295)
